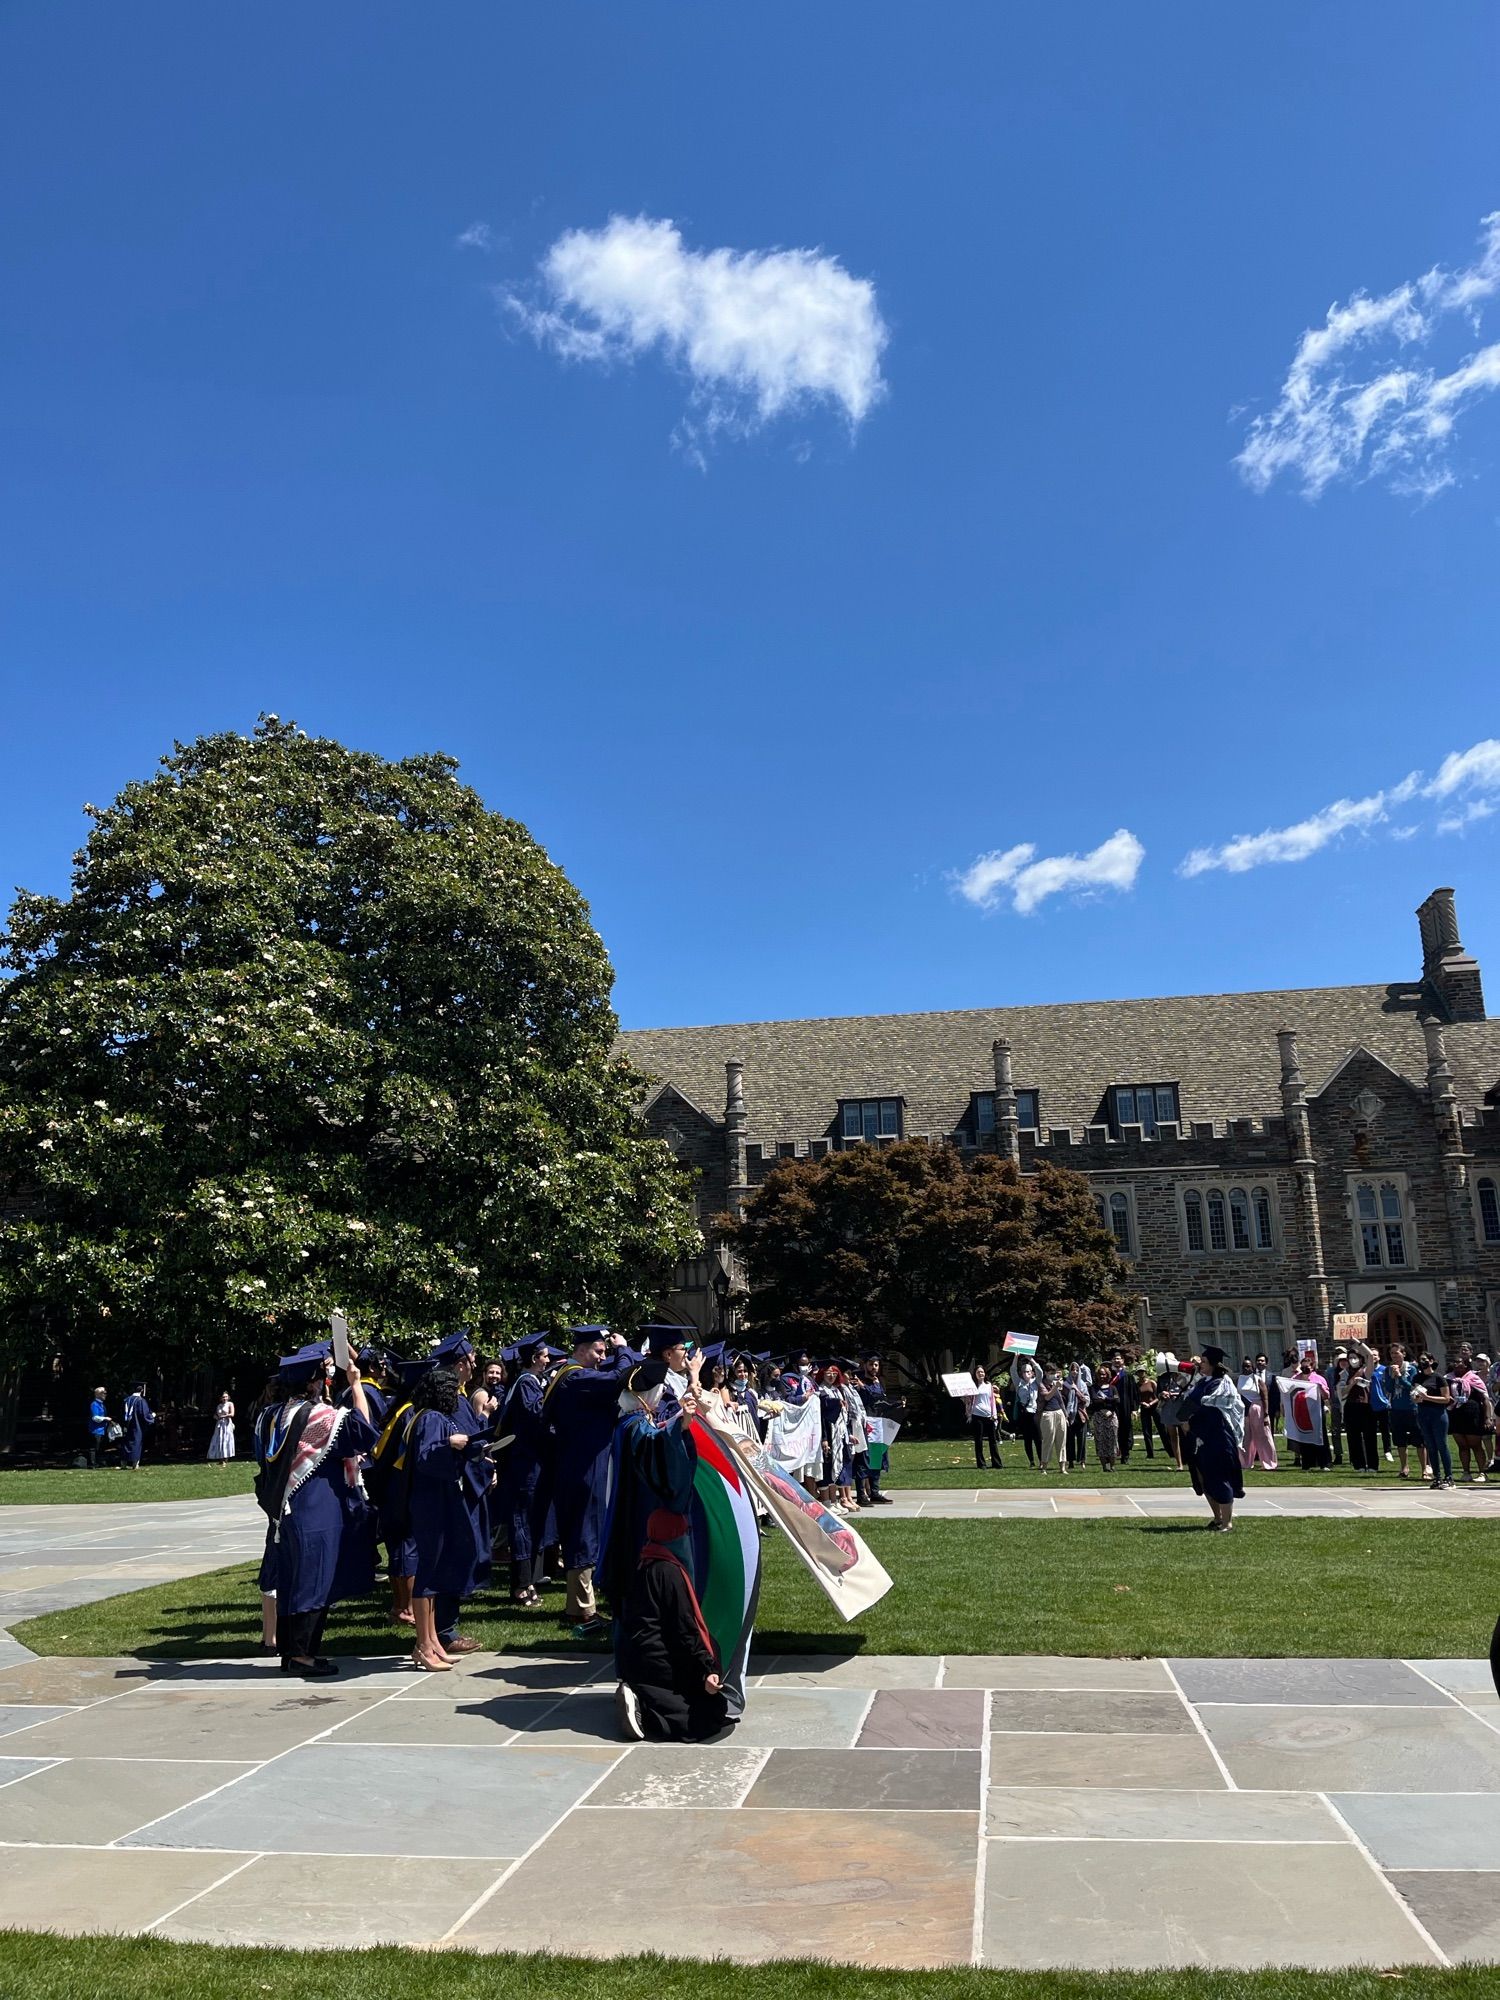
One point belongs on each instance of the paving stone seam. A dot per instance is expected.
(1389, 1886)
(981, 1865)
(167, 1916)
(281, 1853)
(1450, 1696)
(761, 1762)
(254, 1771)
(1164, 1839)
(1197, 1722)
(480, 1901)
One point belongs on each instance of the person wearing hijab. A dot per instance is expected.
(1213, 1415)
(309, 1453)
(671, 1685)
(444, 1525)
(1259, 1447)
(520, 1496)
(653, 1461)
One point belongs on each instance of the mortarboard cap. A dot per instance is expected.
(660, 1336)
(410, 1373)
(579, 1334)
(719, 1351)
(646, 1375)
(369, 1357)
(1214, 1356)
(456, 1347)
(300, 1365)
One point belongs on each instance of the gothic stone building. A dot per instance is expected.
(1263, 1159)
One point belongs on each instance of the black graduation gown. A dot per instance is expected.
(665, 1657)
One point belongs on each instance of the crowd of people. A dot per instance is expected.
(454, 1464)
(1403, 1411)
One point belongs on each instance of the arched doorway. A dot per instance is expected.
(1397, 1320)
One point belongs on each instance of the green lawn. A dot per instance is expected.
(52, 1968)
(949, 1462)
(1271, 1588)
(109, 1485)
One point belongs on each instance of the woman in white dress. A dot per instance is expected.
(221, 1444)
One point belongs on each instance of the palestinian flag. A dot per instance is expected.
(726, 1557)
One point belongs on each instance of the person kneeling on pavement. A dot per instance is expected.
(671, 1688)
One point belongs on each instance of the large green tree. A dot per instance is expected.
(914, 1246)
(313, 1029)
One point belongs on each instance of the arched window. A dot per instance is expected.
(1192, 1210)
(1489, 1211)
(1261, 1202)
(1227, 1319)
(1203, 1320)
(1119, 1220)
(1239, 1219)
(1218, 1234)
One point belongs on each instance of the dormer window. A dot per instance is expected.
(983, 1117)
(1145, 1104)
(870, 1117)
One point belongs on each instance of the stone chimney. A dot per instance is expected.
(734, 1135)
(1450, 978)
(1007, 1124)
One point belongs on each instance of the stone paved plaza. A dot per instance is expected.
(890, 1811)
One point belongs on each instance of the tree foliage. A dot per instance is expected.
(911, 1246)
(312, 1029)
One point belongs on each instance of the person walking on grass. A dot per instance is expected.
(1259, 1447)
(221, 1444)
(1433, 1399)
(137, 1418)
(1213, 1414)
(983, 1410)
(1469, 1417)
(1148, 1402)
(1080, 1388)
(1400, 1377)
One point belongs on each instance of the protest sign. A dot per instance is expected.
(1019, 1343)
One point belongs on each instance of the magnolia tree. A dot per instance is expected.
(911, 1246)
(314, 1029)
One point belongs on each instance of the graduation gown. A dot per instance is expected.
(137, 1418)
(665, 1653)
(520, 1495)
(313, 1566)
(479, 1481)
(451, 1559)
(1213, 1453)
(581, 1411)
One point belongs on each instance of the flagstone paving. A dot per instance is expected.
(1027, 1812)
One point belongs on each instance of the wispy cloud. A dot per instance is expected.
(1017, 874)
(756, 332)
(1390, 420)
(478, 236)
(1467, 781)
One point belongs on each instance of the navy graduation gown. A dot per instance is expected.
(582, 1408)
(444, 1523)
(521, 1492)
(313, 1567)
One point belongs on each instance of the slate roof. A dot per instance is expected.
(1220, 1048)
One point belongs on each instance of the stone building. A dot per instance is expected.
(1263, 1159)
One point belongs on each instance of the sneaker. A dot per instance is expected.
(1479, 1479)
(884, 1500)
(628, 1713)
(1390, 1458)
(1447, 1482)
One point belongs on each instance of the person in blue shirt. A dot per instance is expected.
(98, 1428)
(139, 1417)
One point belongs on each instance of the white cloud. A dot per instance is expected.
(1396, 421)
(757, 332)
(478, 236)
(1469, 778)
(1113, 864)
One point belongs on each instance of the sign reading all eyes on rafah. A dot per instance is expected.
(1350, 1326)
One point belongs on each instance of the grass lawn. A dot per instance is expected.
(938, 1462)
(109, 1485)
(1271, 1589)
(52, 1968)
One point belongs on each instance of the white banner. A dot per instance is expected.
(795, 1437)
(960, 1385)
(1301, 1409)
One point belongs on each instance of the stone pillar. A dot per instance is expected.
(1305, 1177)
(1463, 1250)
(1007, 1125)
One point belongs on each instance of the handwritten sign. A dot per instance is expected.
(960, 1385)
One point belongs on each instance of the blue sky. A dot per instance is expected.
(925, 547)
